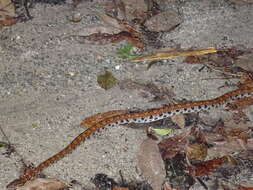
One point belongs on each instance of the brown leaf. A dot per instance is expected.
(240, 187)
(225, 148)
(245, 62)
(205, 168)
(43, 184)
(119, 188)
(192, 60)
(196, 152)
(151, 163)
(224, 58)
(8, 21)
(246, 81)
(6, 9)
(179, 120)
(229, 138)
(7, 13)
(173, 145)
(104, 38)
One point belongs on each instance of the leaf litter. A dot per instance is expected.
(193, 147)
(204, 154)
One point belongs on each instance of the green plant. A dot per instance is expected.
(126, 51)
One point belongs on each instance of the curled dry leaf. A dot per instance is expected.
(43, 184)
(151, 164)
(105, 38)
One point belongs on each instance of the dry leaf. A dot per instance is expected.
(205, 168)
(174, 145)
(119, 188)
(8, 21)
(226, 148)
(7, 13)
(151, 163)
(164, 55)
(105, 38)
(196, 152)
(246, 81)
(43, 184)
(179, 120)
(6, 9)
(245, 62)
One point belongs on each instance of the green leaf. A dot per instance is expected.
(126, 51)
(162, 131)
(2, 144)
(106, 81)
(35, 125)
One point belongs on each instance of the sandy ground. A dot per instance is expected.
(48, 85)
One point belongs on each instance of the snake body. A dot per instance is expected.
(147, 116)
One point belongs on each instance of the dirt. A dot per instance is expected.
(48, 85)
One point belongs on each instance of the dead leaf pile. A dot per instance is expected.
(139, 23)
